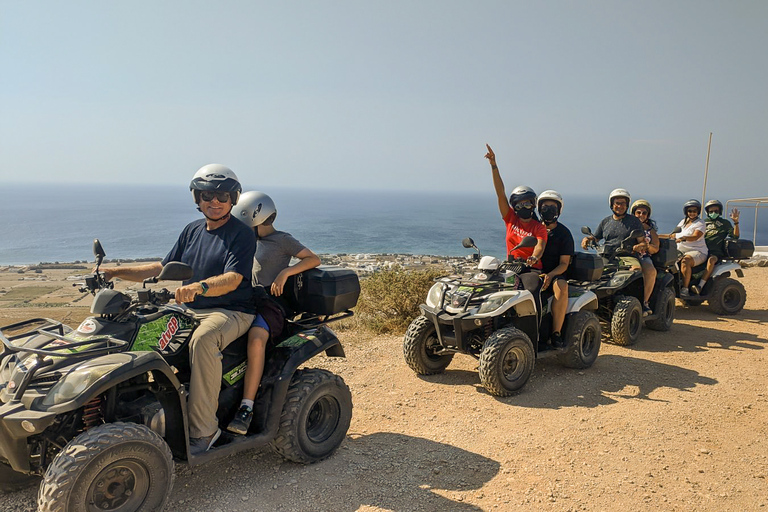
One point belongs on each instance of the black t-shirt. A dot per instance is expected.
(229, 248)
(615, 231)
(559, 243)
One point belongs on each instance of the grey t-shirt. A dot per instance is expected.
(273, 254)
(615, 231)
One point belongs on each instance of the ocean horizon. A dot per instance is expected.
(58, 223)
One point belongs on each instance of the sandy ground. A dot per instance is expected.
(677, 422)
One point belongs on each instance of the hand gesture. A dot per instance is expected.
(279, 283)
(735, 215)
(491, 156)
(547, 280)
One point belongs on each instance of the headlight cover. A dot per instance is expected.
(433, 297)
(75, 382)
(492, 304)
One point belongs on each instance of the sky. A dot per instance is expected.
(579, 96)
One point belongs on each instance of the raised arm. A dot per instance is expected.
(498, 184)
(735, 219)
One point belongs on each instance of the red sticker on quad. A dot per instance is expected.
(88, 326)
(170, 330)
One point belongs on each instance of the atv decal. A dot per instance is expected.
(299, 340)
(235, 374)
(88, 326)
(159, 333)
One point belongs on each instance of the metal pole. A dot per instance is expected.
(706, 173)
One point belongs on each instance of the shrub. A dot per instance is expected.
(389, 300)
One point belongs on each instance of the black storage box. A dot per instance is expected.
(324, 290)
(667, 255)
(739, 249)
(585, 266)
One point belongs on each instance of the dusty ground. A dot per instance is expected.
(677, 422)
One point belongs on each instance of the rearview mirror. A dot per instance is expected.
(468, 243)
(677, 229)
(585, 230)
(175, 271)
(98, 251)
(528, 241)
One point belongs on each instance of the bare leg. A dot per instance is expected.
(559, 304)
(649, 280)
(686, 268)
(257, 345)
(711, 261)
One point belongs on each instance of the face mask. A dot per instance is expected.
(713, 215)
(525, 213)
(548, 213)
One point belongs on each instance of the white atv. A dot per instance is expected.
(498, 317)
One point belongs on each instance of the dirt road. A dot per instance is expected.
(677, 422)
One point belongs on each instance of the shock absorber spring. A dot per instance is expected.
(92, 414)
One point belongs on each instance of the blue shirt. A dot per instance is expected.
(228, 248)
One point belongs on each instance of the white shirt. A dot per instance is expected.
(698, 245)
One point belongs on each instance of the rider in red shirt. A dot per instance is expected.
(518, 215)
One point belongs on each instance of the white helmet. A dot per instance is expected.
(215, 177)
(551, 195)
(618, 192)
(254, 208)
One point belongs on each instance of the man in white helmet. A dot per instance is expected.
(220, 251)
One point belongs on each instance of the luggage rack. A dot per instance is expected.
(309, 322)
(750, 202)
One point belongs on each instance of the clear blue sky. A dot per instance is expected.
(581, 96)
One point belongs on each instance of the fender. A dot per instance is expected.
(521, 300)
(725, 268)
(581, 300)
(665, 279)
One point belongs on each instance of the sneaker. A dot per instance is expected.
(695, 290)
(200, 445)
(241, 421)
(647, 309)
(557, 340)
(684, 292)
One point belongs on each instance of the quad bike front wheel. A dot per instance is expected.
(665, 309)
(582, 335)
(420, 346)
(626, 321)
(315, 416)
(727, 297)
(113, 467)
(506, 362)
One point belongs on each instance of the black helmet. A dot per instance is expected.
(522, 193)
(215, 177)
(713, 202)
(691, 203)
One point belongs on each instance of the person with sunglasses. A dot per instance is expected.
(690, 241)
(220, 251)
(519, 217)
(645, 249)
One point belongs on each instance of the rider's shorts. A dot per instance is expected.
(698, 257)
(258, 321)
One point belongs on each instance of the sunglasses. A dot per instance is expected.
(692, 210)
(207, 196)
(524, 204)
(641, 212)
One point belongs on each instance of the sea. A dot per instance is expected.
(58, 223)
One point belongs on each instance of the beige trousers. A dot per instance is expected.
(218, 328)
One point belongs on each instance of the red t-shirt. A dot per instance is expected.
(517, 230)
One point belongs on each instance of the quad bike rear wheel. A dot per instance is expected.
(315, 416)
(582, 335)
(506, 362)
(627, 320)
(665, 309)
(419, 347)
(113, 467)
(727, 297)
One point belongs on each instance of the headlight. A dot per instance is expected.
(492, 304)
(433, 297)
(75, 382)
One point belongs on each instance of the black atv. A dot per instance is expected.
(100, 412)
(620, 293)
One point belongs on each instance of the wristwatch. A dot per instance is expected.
(204, 286)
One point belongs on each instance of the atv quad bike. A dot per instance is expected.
(724, 294)
(100, 411)
(620, 293)
(498, 318)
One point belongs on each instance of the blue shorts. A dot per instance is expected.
(258, 321)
